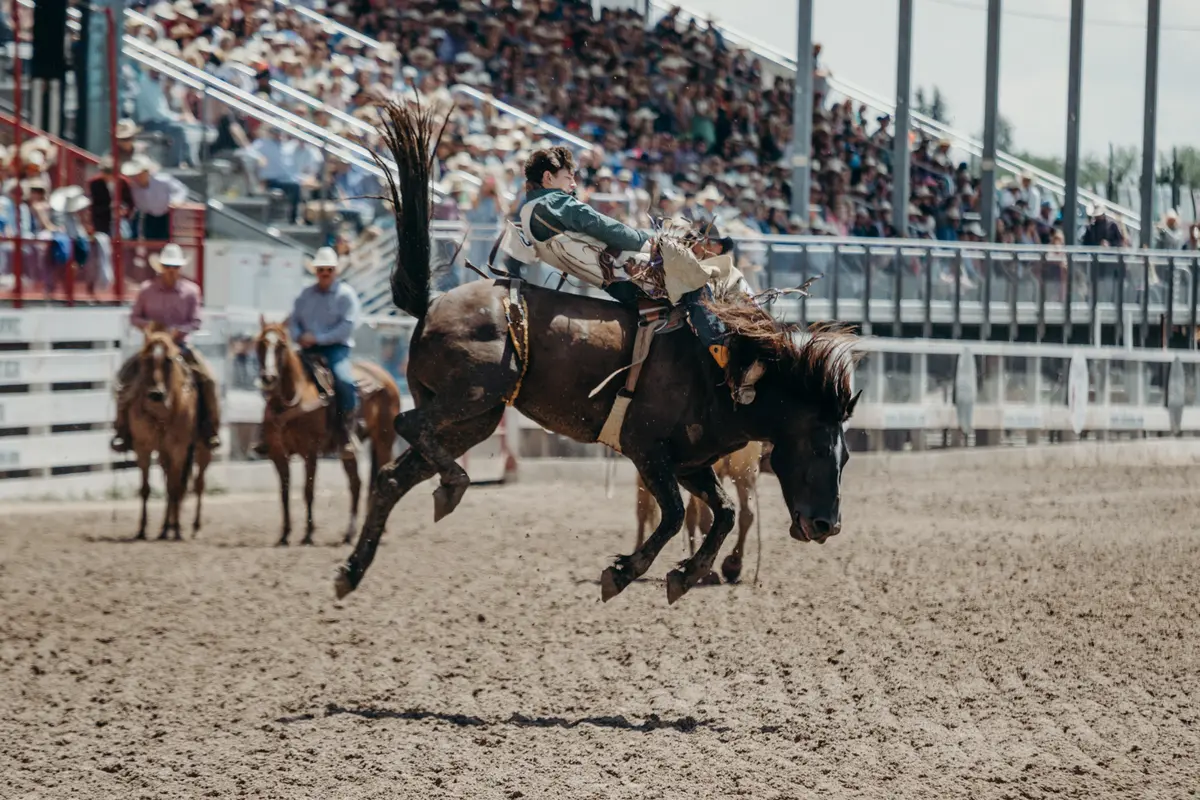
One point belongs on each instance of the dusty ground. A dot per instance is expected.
(979, 634)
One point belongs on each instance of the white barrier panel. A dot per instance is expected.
(62, 325)
(58, 366)
(32, 410)
(60, 450)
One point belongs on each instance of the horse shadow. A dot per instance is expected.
(652, 722)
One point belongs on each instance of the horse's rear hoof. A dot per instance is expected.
(676, 586)
(446, 498)
(342, 585)
(711, 579)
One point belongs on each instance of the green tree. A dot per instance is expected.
(934, 106)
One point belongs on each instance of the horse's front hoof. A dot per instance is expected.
(676, 586)
(342, 585)
(611, 584)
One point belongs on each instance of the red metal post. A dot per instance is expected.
(115, 187)
(17, 102)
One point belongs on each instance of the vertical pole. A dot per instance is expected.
(900, 157)
(18, 98)
(117, 245)
(1149, 121)
(1074, 74)
(991, 98)
(802, 112)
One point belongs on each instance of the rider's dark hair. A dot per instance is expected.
(550, 159)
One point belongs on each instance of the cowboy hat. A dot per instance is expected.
(324, 257)
(134, 166)
(60, 198)
(170, 256)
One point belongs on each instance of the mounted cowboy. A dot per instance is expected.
(629, 264)
(322, 322)
(171, 302)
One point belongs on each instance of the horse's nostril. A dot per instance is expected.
(822, 526)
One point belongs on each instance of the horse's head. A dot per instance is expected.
(273, 347)
(802, 403)
(159, 368)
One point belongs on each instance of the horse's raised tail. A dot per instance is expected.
(411, 133)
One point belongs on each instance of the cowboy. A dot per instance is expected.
(173, 302)
(322, 322)
(573, 237)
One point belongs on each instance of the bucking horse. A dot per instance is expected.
(491, 343)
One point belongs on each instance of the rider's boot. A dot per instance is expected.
(123, 441)
(714, 336)
(347, 436)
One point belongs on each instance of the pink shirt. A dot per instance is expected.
(177, 307)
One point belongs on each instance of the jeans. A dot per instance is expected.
(291, 191)
(337, 356)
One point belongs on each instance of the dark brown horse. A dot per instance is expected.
(162, 419)
(473, 350)
(295, 421)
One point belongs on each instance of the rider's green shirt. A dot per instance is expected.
(559, 212)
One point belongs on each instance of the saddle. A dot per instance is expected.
(318, 371)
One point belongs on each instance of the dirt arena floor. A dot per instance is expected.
(986, 634)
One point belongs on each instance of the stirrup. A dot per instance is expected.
(120, 444)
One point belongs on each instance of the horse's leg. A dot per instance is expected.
(731, 567)
(351, 467)
(424, 428)
(164, 462)
(143, 460)
(203, 457)
(645, 511)
(281, 466)
(180, 476)
(659, 476)
(310, 485)
(395, 480)
(691, 519)
(703, 484)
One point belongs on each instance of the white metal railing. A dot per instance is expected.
(787, 64)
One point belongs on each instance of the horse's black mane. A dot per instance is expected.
(816, 363)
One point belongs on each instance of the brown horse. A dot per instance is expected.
(487, 343)
(742, 468)
(162, 419)
(296, 421)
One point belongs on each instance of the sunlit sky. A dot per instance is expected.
(949, 40)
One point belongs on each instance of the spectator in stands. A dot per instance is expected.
(154, 113)
(154, 195)
(1167, 234)
(1102, 230)
(288, 165)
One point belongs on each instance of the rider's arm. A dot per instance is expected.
(193, 312)
(295, 329)
(581, 218)
(347, 306)
(137, 315)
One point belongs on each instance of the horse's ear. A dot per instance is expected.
(262, 322)
(849, 412)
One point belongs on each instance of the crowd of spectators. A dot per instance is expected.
(679, 122)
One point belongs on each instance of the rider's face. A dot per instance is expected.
(564, 179)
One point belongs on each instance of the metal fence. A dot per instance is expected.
(956, 289)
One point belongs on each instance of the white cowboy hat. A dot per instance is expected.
(170, 256)
(134, 166)
(325, 257)
(60, 198)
